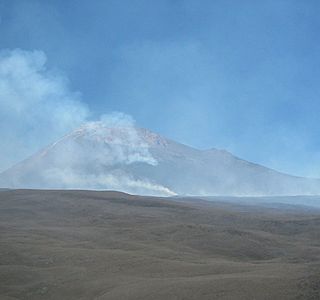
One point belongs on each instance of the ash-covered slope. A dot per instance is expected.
(135, 160)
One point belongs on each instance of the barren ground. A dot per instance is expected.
(108, 245)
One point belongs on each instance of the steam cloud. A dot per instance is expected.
(37, 107)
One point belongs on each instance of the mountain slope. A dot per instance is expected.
(135, 160)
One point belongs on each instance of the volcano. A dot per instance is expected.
(136, 160)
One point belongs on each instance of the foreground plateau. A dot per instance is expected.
(110, 245)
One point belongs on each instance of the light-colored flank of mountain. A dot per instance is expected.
(135, 160)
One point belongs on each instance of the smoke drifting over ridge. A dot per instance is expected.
(94, 155)
(37, 107)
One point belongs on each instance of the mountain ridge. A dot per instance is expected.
(136, 160)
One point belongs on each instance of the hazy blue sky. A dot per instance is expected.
(239, 75)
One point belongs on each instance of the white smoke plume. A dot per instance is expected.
(93, 157)
(37, 107)
(118, 132)
(68, 178)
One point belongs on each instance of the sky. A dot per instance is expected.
(236, 75)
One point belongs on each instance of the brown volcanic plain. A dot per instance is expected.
(110, 245)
